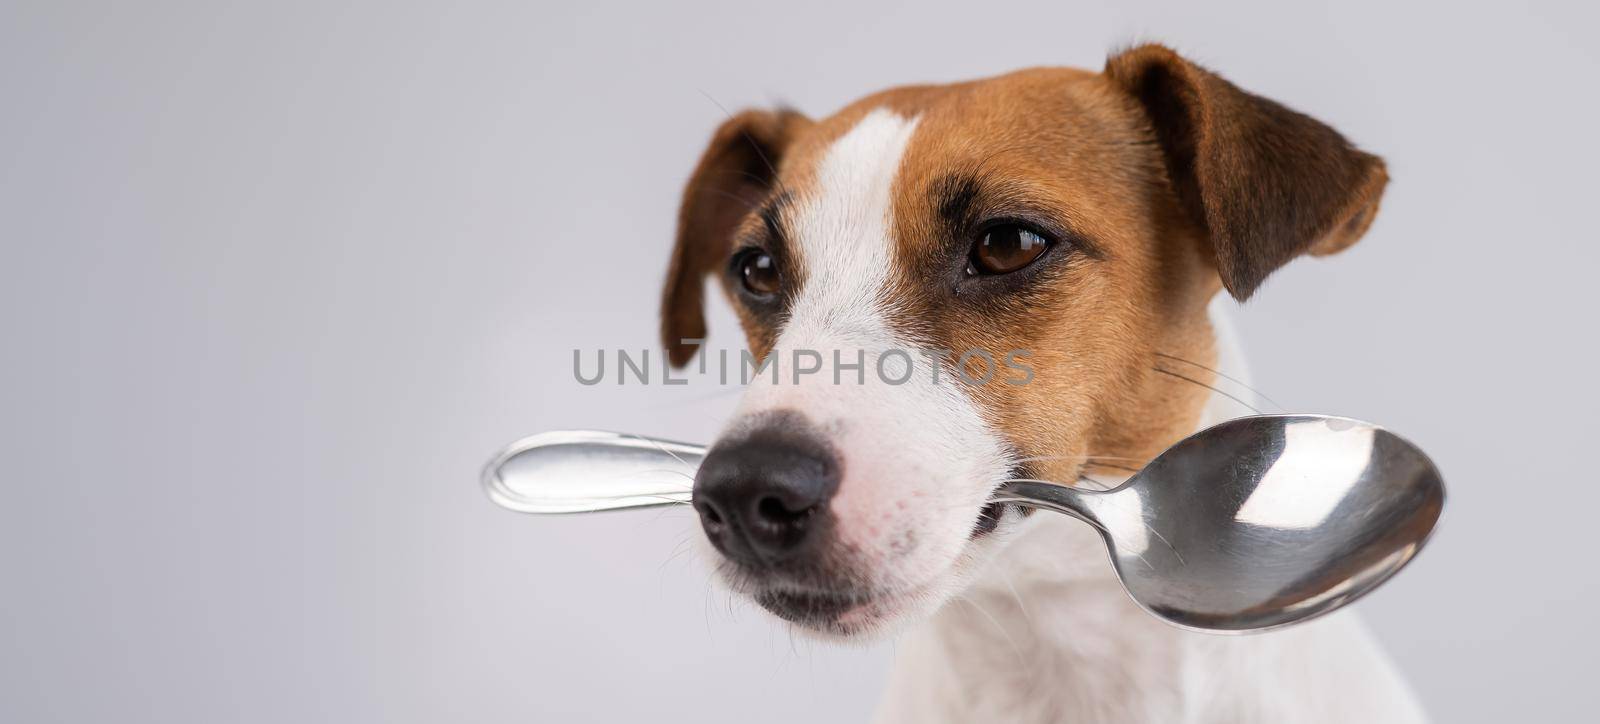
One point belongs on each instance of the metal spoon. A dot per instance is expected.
(1255, 523)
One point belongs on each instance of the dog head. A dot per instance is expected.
(956, 285)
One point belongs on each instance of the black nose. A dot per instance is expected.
(763, 496)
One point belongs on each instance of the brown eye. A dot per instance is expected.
(759, 273)
(1006, 248)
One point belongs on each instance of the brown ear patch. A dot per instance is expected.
(734, 176)
(1264, 182)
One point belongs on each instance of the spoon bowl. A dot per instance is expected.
(1260, 521)
(1252, 524)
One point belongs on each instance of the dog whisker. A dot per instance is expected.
(1015, 649)
(1091, 460)
(664, 449)
(706, 602)
(749, 207)
(1191, 380)
(677, 550)
(1103, 529)
(1158, 535)
(1225, 376)
(738, 172)
(1006, 577)
(776, 179)
(670, 501)
(678, 473)
(1105, 486)
(665, 499)
(1082, 457)
(664, 509)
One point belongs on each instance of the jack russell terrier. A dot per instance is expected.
(1086, 219)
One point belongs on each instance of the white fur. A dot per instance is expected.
(916, 457)
(1048, 635)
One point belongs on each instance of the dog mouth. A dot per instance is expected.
(849, 612)
(991, 514)
(837, 614)
(817, 609)
(820, 597)
(988, 520)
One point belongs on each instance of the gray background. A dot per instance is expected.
(277, 278)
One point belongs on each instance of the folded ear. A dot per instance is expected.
(1265, 183)
(734, 176)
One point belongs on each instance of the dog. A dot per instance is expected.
(1078, 225)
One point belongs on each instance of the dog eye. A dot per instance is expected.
(1006, 248)
(758, 271)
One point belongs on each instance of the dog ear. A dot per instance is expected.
(734, 176)
(1264, 182)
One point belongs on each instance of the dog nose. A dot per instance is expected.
(763, 498)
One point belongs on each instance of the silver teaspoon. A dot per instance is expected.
(1251, 524)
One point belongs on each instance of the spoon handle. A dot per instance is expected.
(1079, 503)
(578, 471)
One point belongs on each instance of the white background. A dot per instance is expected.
(277, 279)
